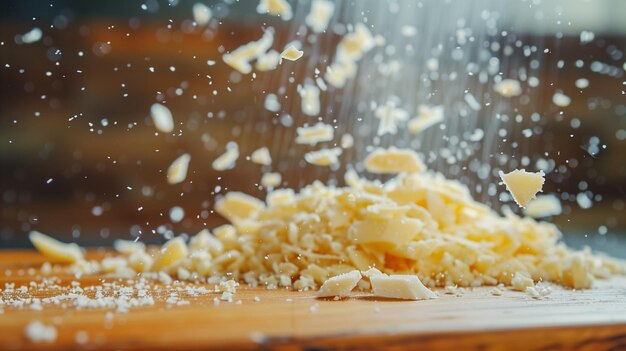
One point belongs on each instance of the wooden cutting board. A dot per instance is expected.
(288, 320)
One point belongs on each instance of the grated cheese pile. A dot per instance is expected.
(414, 224)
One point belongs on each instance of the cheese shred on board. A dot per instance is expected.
(418, 224)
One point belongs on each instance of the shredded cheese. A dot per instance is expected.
(228, 159)
(427, 116)
(177, 171)
(393, 160)
(544, 206)
(291, 53)
(271, 180)
(261, 156)
(280, 8)
(55, 250)
(317, 133)
(320, 14)
(323, 157)
(241, 57)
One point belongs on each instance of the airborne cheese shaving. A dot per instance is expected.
(291, 53)
(279, 8)
(321, 12)
(241, 57)
(523, 185)
(390, 116)
(323, 157)
(320, 132)
(427, 116)
(177, 171)
(227, 159)
(393, 160)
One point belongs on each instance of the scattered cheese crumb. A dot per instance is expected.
(521, 281)
(393, 160)
(544, 206)
(508, 88)
(406, 287)
(55, 250)
(271, 180)
(261, 156)
(323, 157)
(320, 14)
(162, 118)
(523, 185)
(427, 116)
(318, 133)
(268, 61)
(237, 206)
(340, 285)
(177, 171)
(201, 13)
(128, 247)
(38, 332)
(229, 286)
(291, 53)
(279, 8)
(228, 159)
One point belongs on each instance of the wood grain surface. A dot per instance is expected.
(287, 320)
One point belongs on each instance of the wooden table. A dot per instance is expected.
(288, 320)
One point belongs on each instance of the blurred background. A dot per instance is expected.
(81, 160)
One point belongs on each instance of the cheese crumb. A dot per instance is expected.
(561, 99)
(508, 88)
(201, 13)
(261, 156)
(280, 8)
(390, 116)
(320, 14)
(172, 252)
(340, 285)
(310, 95)
(523, 185)
(405, 287)
(271, 180)
(38, 332)
(521, 281)
(544, 206)
(162, 118)
(237, 206)
(347, 141)
(228, 159)
(128, 247)
(55, 250)
(323, 157)
(229, 286)
(427, 116)
(268, 61)
(318, 133)
(177, 171)
(393, 160)
(291, 53)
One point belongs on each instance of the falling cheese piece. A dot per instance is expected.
(347, 141)
(271, 180)
(321, 12)
(393, 160)
(340, 285)
(544, 206)
(162, 118)
(405, 287)
(291, 53)
(323, 157)
(523, 185)
(177, 171)
(201, 13)
(427, 117)
(241, 57)
(227, 159)
(279, 8)
(261, 156)
(171, 252)
(315, 134)
(310, 95)
(268, 61)
(236, 206)
(508, 88)
(55, 250)
(390, 116)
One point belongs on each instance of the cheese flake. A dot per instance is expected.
(544, 206)
(291, 53)
(55, 250)
(508, 88)
(390, 116)
(523, 185)
(393, 160)
(228, 159)
(280, 8)
(261, 156)
(427, 117)
(405, 287)
(320, 14)
(171, 252)
(271, 180)
(323, 157)
(177, 171)
(237, 206)
(317, 133)
(162, 118)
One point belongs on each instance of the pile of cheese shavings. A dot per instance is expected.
(416, 223)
